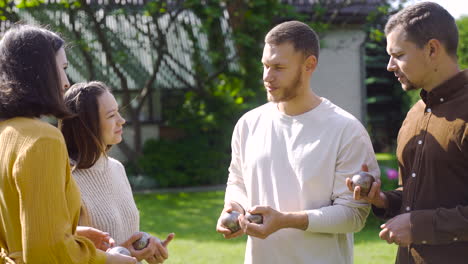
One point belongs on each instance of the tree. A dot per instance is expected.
(102, 51)
(7, 12)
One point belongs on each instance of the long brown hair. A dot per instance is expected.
(30, 84)
(82, 132)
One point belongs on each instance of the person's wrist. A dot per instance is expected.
(385, 200)
(284, 220)
(382, 202)
(298, 220)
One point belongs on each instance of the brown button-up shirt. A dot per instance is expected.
(433, 157)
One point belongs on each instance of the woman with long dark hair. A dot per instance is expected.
(39, 200)
(107, 200)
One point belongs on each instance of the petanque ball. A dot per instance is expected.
(142, 242)
(231, 221)
(120, 250)
(254, 218)
(364, 180)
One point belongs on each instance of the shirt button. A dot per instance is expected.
(455, 239)
(429, 110)
(424, 242)
(441, 99)
(408, 208)
(419, 142)
(413, 174)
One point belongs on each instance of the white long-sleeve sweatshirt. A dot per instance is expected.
(300, 163)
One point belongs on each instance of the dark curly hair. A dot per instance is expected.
(30, 84)
(82, 131)
(425, 21)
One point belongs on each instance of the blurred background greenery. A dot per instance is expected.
(189, 69)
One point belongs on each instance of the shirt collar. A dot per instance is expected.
(446, 90)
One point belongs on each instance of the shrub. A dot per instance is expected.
(190, 161)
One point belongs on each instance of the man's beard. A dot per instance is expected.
(288, 92)
(408, 85)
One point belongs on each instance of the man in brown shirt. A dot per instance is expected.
(428, 216)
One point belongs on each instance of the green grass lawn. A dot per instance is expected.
(192, 217)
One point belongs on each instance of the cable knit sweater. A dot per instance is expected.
(107, 199)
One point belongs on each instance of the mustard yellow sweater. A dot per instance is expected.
(39, 200)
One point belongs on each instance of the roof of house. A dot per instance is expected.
(339, 11)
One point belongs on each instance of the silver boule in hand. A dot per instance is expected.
(231, 221)
(364, 180)
(142, 242)
(119, 250)
(254, 218)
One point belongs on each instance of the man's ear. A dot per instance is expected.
(311, 63)
(434, 47)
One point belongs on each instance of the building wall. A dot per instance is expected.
(339, 76)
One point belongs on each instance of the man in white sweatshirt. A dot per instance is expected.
(290, 160)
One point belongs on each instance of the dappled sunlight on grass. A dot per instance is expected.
(370, 232)
(185, 251)
(192, 217)
(369, 248)
(189, 215)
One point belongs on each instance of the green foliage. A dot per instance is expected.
(203, 155)
(387, 162)
(255, 18)
(72, 4)
(376, 34)
(7, 11)
(410, 98)
(29, 3)
(462, 24)
(190, 161)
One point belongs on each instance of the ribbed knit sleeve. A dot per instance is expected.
(107, 199)
(49, 205)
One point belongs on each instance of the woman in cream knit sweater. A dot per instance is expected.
(107, 200)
